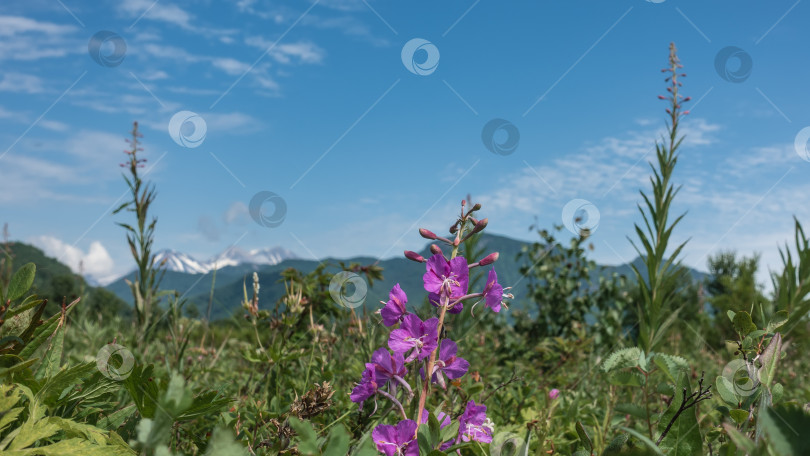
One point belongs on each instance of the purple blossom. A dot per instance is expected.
(387, 365)
(416, 336)
(493, 292)
(474, 425)
(450, 279)
(394, 310)
(399, 440)
(448, 364)
(368, 385)
(554, 394)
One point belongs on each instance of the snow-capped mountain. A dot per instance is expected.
(233, 256)
(180, 262)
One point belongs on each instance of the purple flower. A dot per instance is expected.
(387, 365)
(474, 425)
(368, 385)
(394, 310)
(449, 364)
(416, 336)
(554, 394)
(444, 421)
(399, 440)
(450, 279)
(493, 292)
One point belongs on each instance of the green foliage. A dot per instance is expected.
(568, 290)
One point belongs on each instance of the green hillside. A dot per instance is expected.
(56, 282)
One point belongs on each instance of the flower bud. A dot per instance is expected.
(435, 249)
(427, 234)
(414, 256)
(480, 225)
(489, 259)
(454, 228)
(476, 207)
(554, 394)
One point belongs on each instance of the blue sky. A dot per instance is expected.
(313, 102)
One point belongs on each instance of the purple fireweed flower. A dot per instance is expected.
(399, 440)
(554, 394)
(448, 364)
(416, 336)
(450, 279)
(368, 385)
(474, 425)
(394, 310)
(444, 421)
(493, 292)
(387, 365)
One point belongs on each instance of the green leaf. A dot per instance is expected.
(52, 360)
(423, 439)
(21, 282)
(66, 378)
(337, 442)
(739, 439)
(625, 357)
(726, 390)
(777, 320)
(584, 437)
(307, 441)
(670, 365)
(644, 439)
(743, 324)
(768, 359)
(626, 378)
(223, 443)
(683, 438)
(739, 416)
(785, 428)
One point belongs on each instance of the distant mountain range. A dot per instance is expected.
(233, 256)
(194, 279)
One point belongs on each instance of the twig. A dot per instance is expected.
(686, 403)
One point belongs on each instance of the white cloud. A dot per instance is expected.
(158, 11)
(302, 51)
(21, 83)
(15, 25)
(95, 263)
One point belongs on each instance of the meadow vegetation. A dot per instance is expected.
(651, 364)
